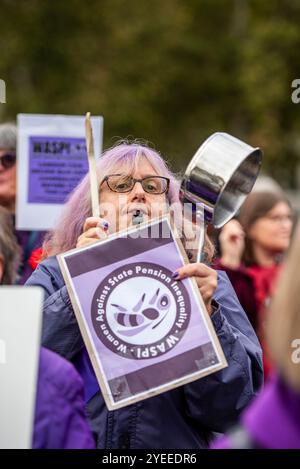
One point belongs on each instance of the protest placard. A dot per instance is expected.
(20, 343)
(145, 332)
(51, 161)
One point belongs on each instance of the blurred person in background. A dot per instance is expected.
(265, 183)
(252, 250)
(273, 418)
(60, 420)
(29, 241)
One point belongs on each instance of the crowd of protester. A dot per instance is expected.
(237, 288)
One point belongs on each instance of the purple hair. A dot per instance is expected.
(78, 207)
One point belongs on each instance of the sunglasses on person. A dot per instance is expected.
(123, 183)
(8, 160)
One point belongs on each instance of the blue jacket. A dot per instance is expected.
(183, 418)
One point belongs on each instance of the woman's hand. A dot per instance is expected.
(94, 228)
(232, 243)
(206, 279)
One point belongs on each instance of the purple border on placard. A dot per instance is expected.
(115, 251)
(162, 373)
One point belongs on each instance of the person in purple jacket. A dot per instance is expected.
(28, 241)
(135, 181)
(60, 421)
(272, 421)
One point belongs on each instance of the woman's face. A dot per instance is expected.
(119, 208)
(273, 231)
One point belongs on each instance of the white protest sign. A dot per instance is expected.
(20, 333)
(51, 161)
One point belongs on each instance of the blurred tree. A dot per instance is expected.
(269, 56)
(171, 72)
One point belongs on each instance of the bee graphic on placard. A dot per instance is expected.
(143, 315)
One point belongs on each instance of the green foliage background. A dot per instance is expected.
(168, 71)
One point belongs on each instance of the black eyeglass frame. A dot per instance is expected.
(8, 160)
(106, 179)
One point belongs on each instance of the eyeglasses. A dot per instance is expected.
(123, 183)
(8, 160)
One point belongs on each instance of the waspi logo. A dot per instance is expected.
(140, 312)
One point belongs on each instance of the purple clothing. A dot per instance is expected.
(272, 421)
(60, 421)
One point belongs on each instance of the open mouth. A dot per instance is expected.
(138, 210)
(138, 215)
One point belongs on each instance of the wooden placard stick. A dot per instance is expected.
(92, 165)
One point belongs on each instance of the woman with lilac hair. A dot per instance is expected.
(135, 181)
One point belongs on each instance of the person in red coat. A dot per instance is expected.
(252, 250)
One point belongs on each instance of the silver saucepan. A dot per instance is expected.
(220, 176)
